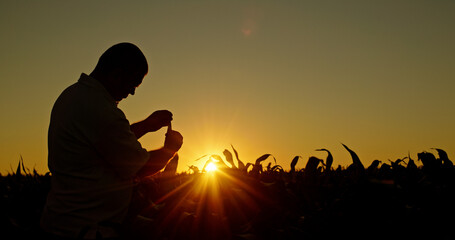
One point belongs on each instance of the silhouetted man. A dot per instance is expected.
(94, 154)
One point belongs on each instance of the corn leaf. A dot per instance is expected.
(194, 169)
(171, 167)
(374, 165)
(329, 159)
(312, 164)
(219, 162)
(442, 154)
(216, 157)
(428, 159)
(269, 166)
(247, 166)
(23, 167)
(264, 157)
(200, 158)
(229, 159)
(240, 163)
(294, 163)
(18, 170)
(355, 159)
(277, 167)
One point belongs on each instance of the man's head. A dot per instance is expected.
(121, 69)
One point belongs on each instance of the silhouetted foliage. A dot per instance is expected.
(388, 200)
(293, 163)
(329, 160)
(356, 163)
(229, 159)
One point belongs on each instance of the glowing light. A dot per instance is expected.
(208, 196)
(211, 167)
(246, 32)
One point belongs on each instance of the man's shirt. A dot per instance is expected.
(93, 158)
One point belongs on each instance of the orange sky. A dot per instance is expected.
(279, 77)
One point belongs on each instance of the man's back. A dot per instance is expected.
(93, 156)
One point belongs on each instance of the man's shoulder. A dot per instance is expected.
(79, 99)
(81, 92)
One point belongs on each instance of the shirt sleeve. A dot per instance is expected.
(119, 147)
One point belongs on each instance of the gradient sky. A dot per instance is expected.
(279, 77)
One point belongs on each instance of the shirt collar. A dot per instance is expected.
(93, 83)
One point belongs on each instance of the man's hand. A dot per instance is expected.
(154, 122)
(173, 141)
(157, 120)
(161, 157)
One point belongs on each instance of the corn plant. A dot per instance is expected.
(250, 201)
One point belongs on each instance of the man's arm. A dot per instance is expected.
(139, 129)
(159, 158)
(157, 161)
(154, 122)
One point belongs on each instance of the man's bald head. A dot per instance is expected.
(121, 70)
(125, 56)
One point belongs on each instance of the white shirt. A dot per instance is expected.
(93, 158)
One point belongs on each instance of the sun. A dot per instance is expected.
(211, 167)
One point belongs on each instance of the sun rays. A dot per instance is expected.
(205, 203)
(211, 167)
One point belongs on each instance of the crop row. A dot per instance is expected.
(250, 201)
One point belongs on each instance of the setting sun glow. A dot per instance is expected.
(211, 167)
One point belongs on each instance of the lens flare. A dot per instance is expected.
(211, 167)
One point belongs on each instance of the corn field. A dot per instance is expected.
(249, 200)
